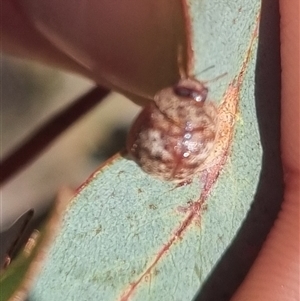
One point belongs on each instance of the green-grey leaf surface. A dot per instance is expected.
(125, 236)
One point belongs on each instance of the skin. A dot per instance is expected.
(275, 274)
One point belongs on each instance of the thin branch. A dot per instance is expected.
(37, 141)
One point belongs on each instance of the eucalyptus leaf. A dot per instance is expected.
(129, 236)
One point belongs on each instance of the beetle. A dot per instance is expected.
(172, 136)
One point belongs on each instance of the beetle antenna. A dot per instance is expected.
(206, 69)
(215, 78)
(211, 80)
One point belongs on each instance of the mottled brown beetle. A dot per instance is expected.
(173, 136)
